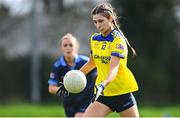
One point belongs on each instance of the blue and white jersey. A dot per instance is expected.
(60, 68)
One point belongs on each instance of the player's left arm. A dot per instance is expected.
(53, 89)
(114, 65)
(88, 66)
(118, 53)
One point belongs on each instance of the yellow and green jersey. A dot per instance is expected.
(102, 49)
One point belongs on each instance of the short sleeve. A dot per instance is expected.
(119, 47)
(53, 77)
(91, 49)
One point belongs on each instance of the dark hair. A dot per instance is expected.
(106, 10)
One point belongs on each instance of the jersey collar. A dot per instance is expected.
(63, 62)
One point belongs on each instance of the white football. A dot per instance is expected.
(75, 81)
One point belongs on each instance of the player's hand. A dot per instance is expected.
(62, 92)
(99, 90)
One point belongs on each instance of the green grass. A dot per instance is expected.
(172, 111)
(29, 110)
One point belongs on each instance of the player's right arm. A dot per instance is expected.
(58, 90)
(54, 79)
(53, 89)
(88, 66)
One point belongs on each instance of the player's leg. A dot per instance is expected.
(97, 109)
(78, 114)
(79, 108)
(131, 112)
(128, 106)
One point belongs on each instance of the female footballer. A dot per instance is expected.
(115, 82)
(70, 60)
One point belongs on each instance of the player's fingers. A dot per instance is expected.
(60, 83)
(68, 93)
(60, 93)
(63, 93)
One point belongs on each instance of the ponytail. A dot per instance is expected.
(132, 49)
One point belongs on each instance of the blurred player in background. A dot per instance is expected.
(74, 104)
(115, 82)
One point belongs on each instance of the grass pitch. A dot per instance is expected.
(29, 110)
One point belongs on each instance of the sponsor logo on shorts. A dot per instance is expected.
(127, 104)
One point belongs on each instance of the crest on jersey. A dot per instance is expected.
(119, 46)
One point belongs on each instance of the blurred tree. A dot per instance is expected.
(56, 5)
(46, 5)
(4, 11)
(151, 27)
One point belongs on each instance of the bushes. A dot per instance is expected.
(154, 82)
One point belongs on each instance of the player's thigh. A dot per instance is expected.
(78, 114)
(131, 112)
(97, 109)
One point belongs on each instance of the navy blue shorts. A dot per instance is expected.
(118, 103)
(74, 108)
